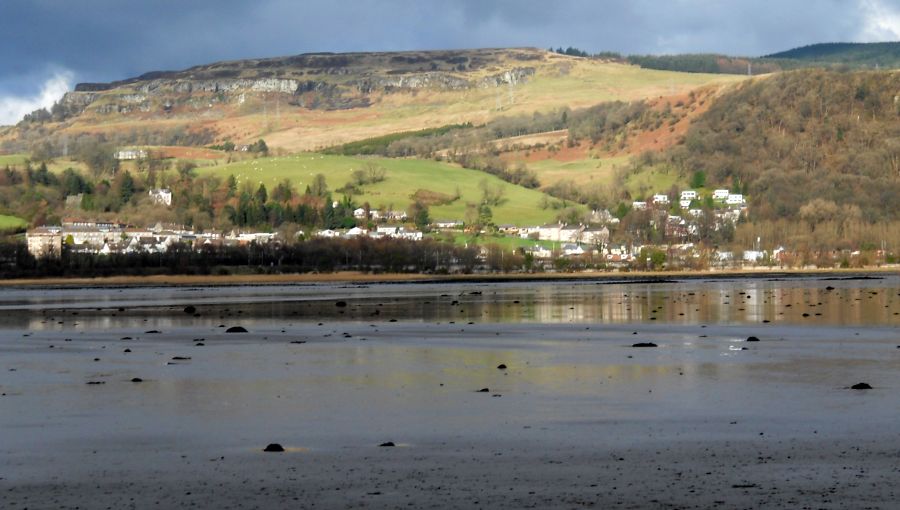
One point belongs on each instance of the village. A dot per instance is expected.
(542, 243)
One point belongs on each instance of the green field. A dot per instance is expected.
(520, 206)
(8, 223)
(13, 159)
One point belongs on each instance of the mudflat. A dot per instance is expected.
(124, 396)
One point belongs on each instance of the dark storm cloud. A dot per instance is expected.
(101, 40)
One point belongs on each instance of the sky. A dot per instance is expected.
(46, 46)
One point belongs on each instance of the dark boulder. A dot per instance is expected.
(752, 339)
(274, 447)
(236, 329)
(190, 310)
(644, 344)
(501, 366)
(388, 444)
(861, 386)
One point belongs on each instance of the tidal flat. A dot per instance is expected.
(494, 395)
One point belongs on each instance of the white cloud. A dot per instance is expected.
(882, 21)
(13, 108)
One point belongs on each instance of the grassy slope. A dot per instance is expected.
(404, 177)
(600, 171)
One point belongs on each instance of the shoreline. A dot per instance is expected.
(359, 277)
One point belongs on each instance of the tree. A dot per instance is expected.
(419, 214)
(99, 157)
(319, 187)
(261, 196)
(698, 180)
(231, 185)
(186, 169)
(126, 188)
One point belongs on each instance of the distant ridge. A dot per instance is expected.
(884, 54)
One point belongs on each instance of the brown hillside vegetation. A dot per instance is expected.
(818, 152)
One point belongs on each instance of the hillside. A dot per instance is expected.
(883, 54)
(309, 102)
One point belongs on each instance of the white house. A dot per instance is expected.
(130, 154)
(688, 194)
(735, 199)
(639, 205)
(359, 213)
(540, 252)
(685, 204)
(572, 250)
(549, 232)
(595, 236)
(161, 196)
(356, 232)
(329, 233)
(448, 224)
(660, 199)
(570, 234)
(721, 194)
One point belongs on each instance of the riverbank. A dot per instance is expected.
(359, 277)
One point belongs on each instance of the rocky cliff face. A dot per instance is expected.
(324, 81)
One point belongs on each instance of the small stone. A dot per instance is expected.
(151, 332)
(644, 344)
(752, 339)
(236, 329)
(861, 386)
(501, 366)
(483, 390)
(340, 304)
(137, 379)
(190, 310)
(387, 444)
(274, 447)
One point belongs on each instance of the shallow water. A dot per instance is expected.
(403, 362)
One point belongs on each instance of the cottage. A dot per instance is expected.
(161, 196)
(660, 199)
(639, 205)
(685, 204)
(721, 194)
(360, 213)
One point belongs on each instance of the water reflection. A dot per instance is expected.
(792, 301)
